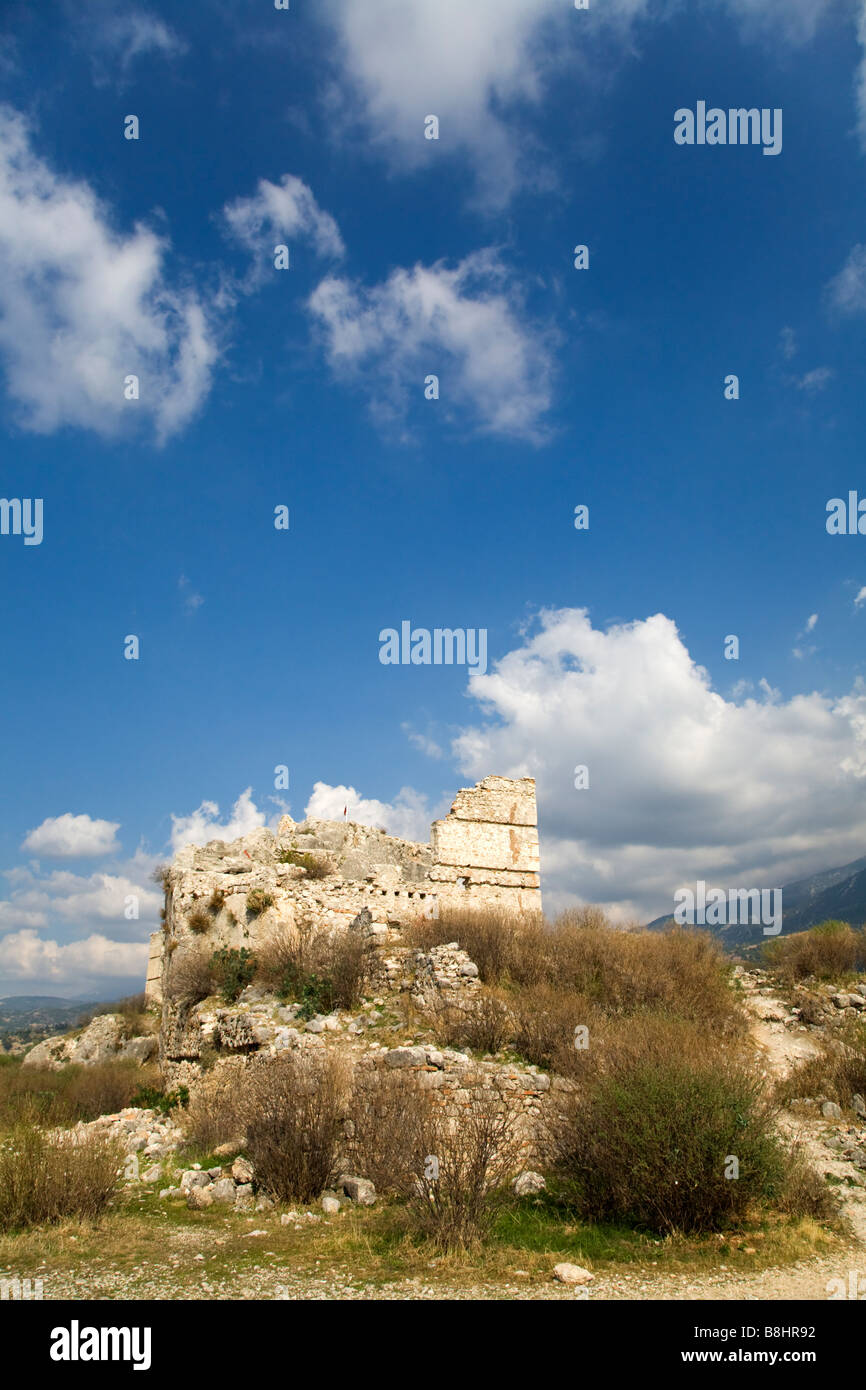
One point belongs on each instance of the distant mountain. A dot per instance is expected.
(39, 1013)
(838, 894)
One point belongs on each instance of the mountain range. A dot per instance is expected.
(838, 894)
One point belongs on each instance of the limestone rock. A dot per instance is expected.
(572, 1274)
(358, 1190)
(223, 1191)
(199, 1198)
(528, 1184)
(242, 1170)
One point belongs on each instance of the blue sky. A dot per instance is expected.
(305, 388)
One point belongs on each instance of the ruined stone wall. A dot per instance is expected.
(483, 854)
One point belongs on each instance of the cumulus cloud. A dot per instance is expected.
(465, 325)
(463, 63)
(684, 784)
(479, 67)
(38, 899)
(28, 956)
(407, 816)
(860, 597)
(281, 213)
(83, 306)
(72, 837)
(204, 824)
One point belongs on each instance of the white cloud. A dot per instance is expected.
(860, 598)
(801, 653)
(82, 306)
(47, 900)
(816, 380)
(29, 956)
(120, 36)
(684, 784)
(788, 343)
(192, 600)
(479, 66)
(860, 83)
(73, 837)
(408, 816)
(423, 742)
(465, 325)
(462, 62)
(204, 824)
(847, 290)
(793, 21)
(281, 213)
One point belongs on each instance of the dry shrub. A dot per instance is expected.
(646, 1137)
(314, 865)
(460, 1168)
(215, 1114)
(294, 1110)
(199, 920)
(546, 1020)
(70, 1093)
(617, 971)
(319, 970)
(380, 1145)
(45, 1178)
(485, 1025)
(504, 947)
(452, 1173)
(829, 951)
(190, 976)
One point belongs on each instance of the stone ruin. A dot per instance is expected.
(483, 854)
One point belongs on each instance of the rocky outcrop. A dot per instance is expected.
(102, 1040)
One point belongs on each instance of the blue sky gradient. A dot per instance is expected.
(558, 387)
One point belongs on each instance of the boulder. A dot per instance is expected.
(406, 1057)
(223, 1191)
(528, 1184)
(572, 1274)
(199, 1198)
(358, 1190)
(242, 1170)
(192, 1178)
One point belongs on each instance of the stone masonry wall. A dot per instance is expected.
(483, 854)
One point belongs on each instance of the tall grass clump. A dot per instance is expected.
(48, 1177)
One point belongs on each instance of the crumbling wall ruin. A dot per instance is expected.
(484, 853)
